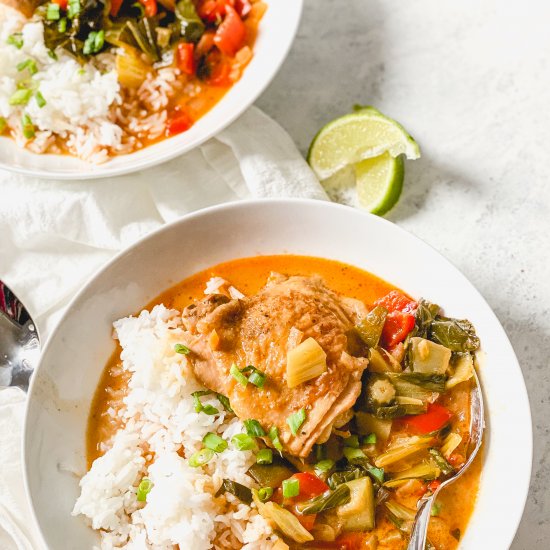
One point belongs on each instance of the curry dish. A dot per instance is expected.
(349, 399)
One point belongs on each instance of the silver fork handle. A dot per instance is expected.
(420, 526)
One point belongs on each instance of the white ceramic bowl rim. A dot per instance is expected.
(278, 29)
(523, 452)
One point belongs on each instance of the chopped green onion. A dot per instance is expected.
(28, 64)
(324, 465)
(52, 54)
(3, 124)
(73, 8)
(139, 7)
(296, 420)
(253, 428)
(28, 126)
(352, 454)
(319, 452)
(265, 493)
(214, 442)
(62, 25)
(144, 488)
(377, 474)
(257, 378)
(199, 407)
(20, 97)
(201, 457)
(94, 42)
(369, 439)
(41, 102)
(243, 442)
(243, 493)
(273, 434)
(352, 441)
(53, 12)
(99, 41)
(265, 456)
(180, 348)
(225, 402)
(291, 487)
(436, 509)
(238, 375)
(15, 39)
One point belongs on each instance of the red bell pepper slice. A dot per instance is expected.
(397, 301)
(63, 3)
(310, 486)
(231, 34)
(179, 123)
(151, 7)
(434, 419)
(185, 58)
(220, 75)
(396, 328)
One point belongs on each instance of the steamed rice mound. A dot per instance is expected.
(159, 427)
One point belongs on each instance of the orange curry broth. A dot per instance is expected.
(249, 276)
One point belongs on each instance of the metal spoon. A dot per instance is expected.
(19, 341)
(477, 424)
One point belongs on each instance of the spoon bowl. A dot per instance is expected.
(19, 341)
(477, 424)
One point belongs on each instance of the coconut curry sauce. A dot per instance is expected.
(409, 429)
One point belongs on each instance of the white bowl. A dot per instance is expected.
(277, 30)
(74, 356)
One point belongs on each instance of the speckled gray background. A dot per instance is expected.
(471, 81)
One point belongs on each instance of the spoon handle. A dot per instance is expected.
(420, 525)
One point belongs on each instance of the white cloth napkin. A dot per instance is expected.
(53, 235)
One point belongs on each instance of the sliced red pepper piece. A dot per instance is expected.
(63, 3)
(310, 486)
(231, 34)
(151, 7)
(396, 301)
(220, 75)
(434, 419)
(243, 7)
(180, 122)
(396, 328)
(185, 58)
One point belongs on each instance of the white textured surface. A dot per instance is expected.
(470, 80)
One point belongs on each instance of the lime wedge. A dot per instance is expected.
(379, 182)
(363, 134)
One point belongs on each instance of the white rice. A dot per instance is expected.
(159, 421)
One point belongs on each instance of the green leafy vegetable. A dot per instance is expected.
(271, 475)
(424, 316)
(243, 493)
(295, 420)
(441, 462)
(191, 25)
(329, 499)
(454, 334)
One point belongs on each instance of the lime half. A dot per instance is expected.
(379, 182)
(361, 135)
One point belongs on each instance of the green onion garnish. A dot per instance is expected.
(265, 493)
(243, 442)
(352, 441)
(62, 25)
(201, 457)
(180, 348)
(238, 375)
(214, 442)
(20, 97)
(436, 509)
(144, 488)
(3, 124)
(15, 39)
(253, 428)
(291, 487)
(273, 434)
(53, 12)
(40, 101)
(319, 452)
(296, 420)
(257, 377)
(369, 439)
(199, 407)
(28, 64)
(377, 474)
(352, 454)
(225, 402)
(52, 54)
(94, 42)
(324, 465)
(73, 8)
(265, 456)
(99, 41)
(28, 126)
